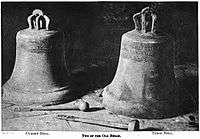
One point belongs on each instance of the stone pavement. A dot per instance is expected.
(47, 121)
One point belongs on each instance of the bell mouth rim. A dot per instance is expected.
(19, 97)
(57, 89)
(130, 109)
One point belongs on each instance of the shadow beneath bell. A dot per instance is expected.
(60, 109)
(150, 129)
(71, 95)
(93, 109)
(71, 109)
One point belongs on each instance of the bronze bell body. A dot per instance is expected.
(144, 83)
(39, 74)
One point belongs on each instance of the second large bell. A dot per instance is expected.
(144, 83)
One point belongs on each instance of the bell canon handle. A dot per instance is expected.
(137, 21)
(141, 21)
(38, 20)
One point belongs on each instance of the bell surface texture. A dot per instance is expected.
(39, 74)
(144, 83)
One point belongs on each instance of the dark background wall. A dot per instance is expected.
(93, 31)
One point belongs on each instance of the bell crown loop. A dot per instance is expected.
(37, 37)
(141, 22)
(38, 20)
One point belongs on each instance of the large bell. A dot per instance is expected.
(144, 83)
(39, 74)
